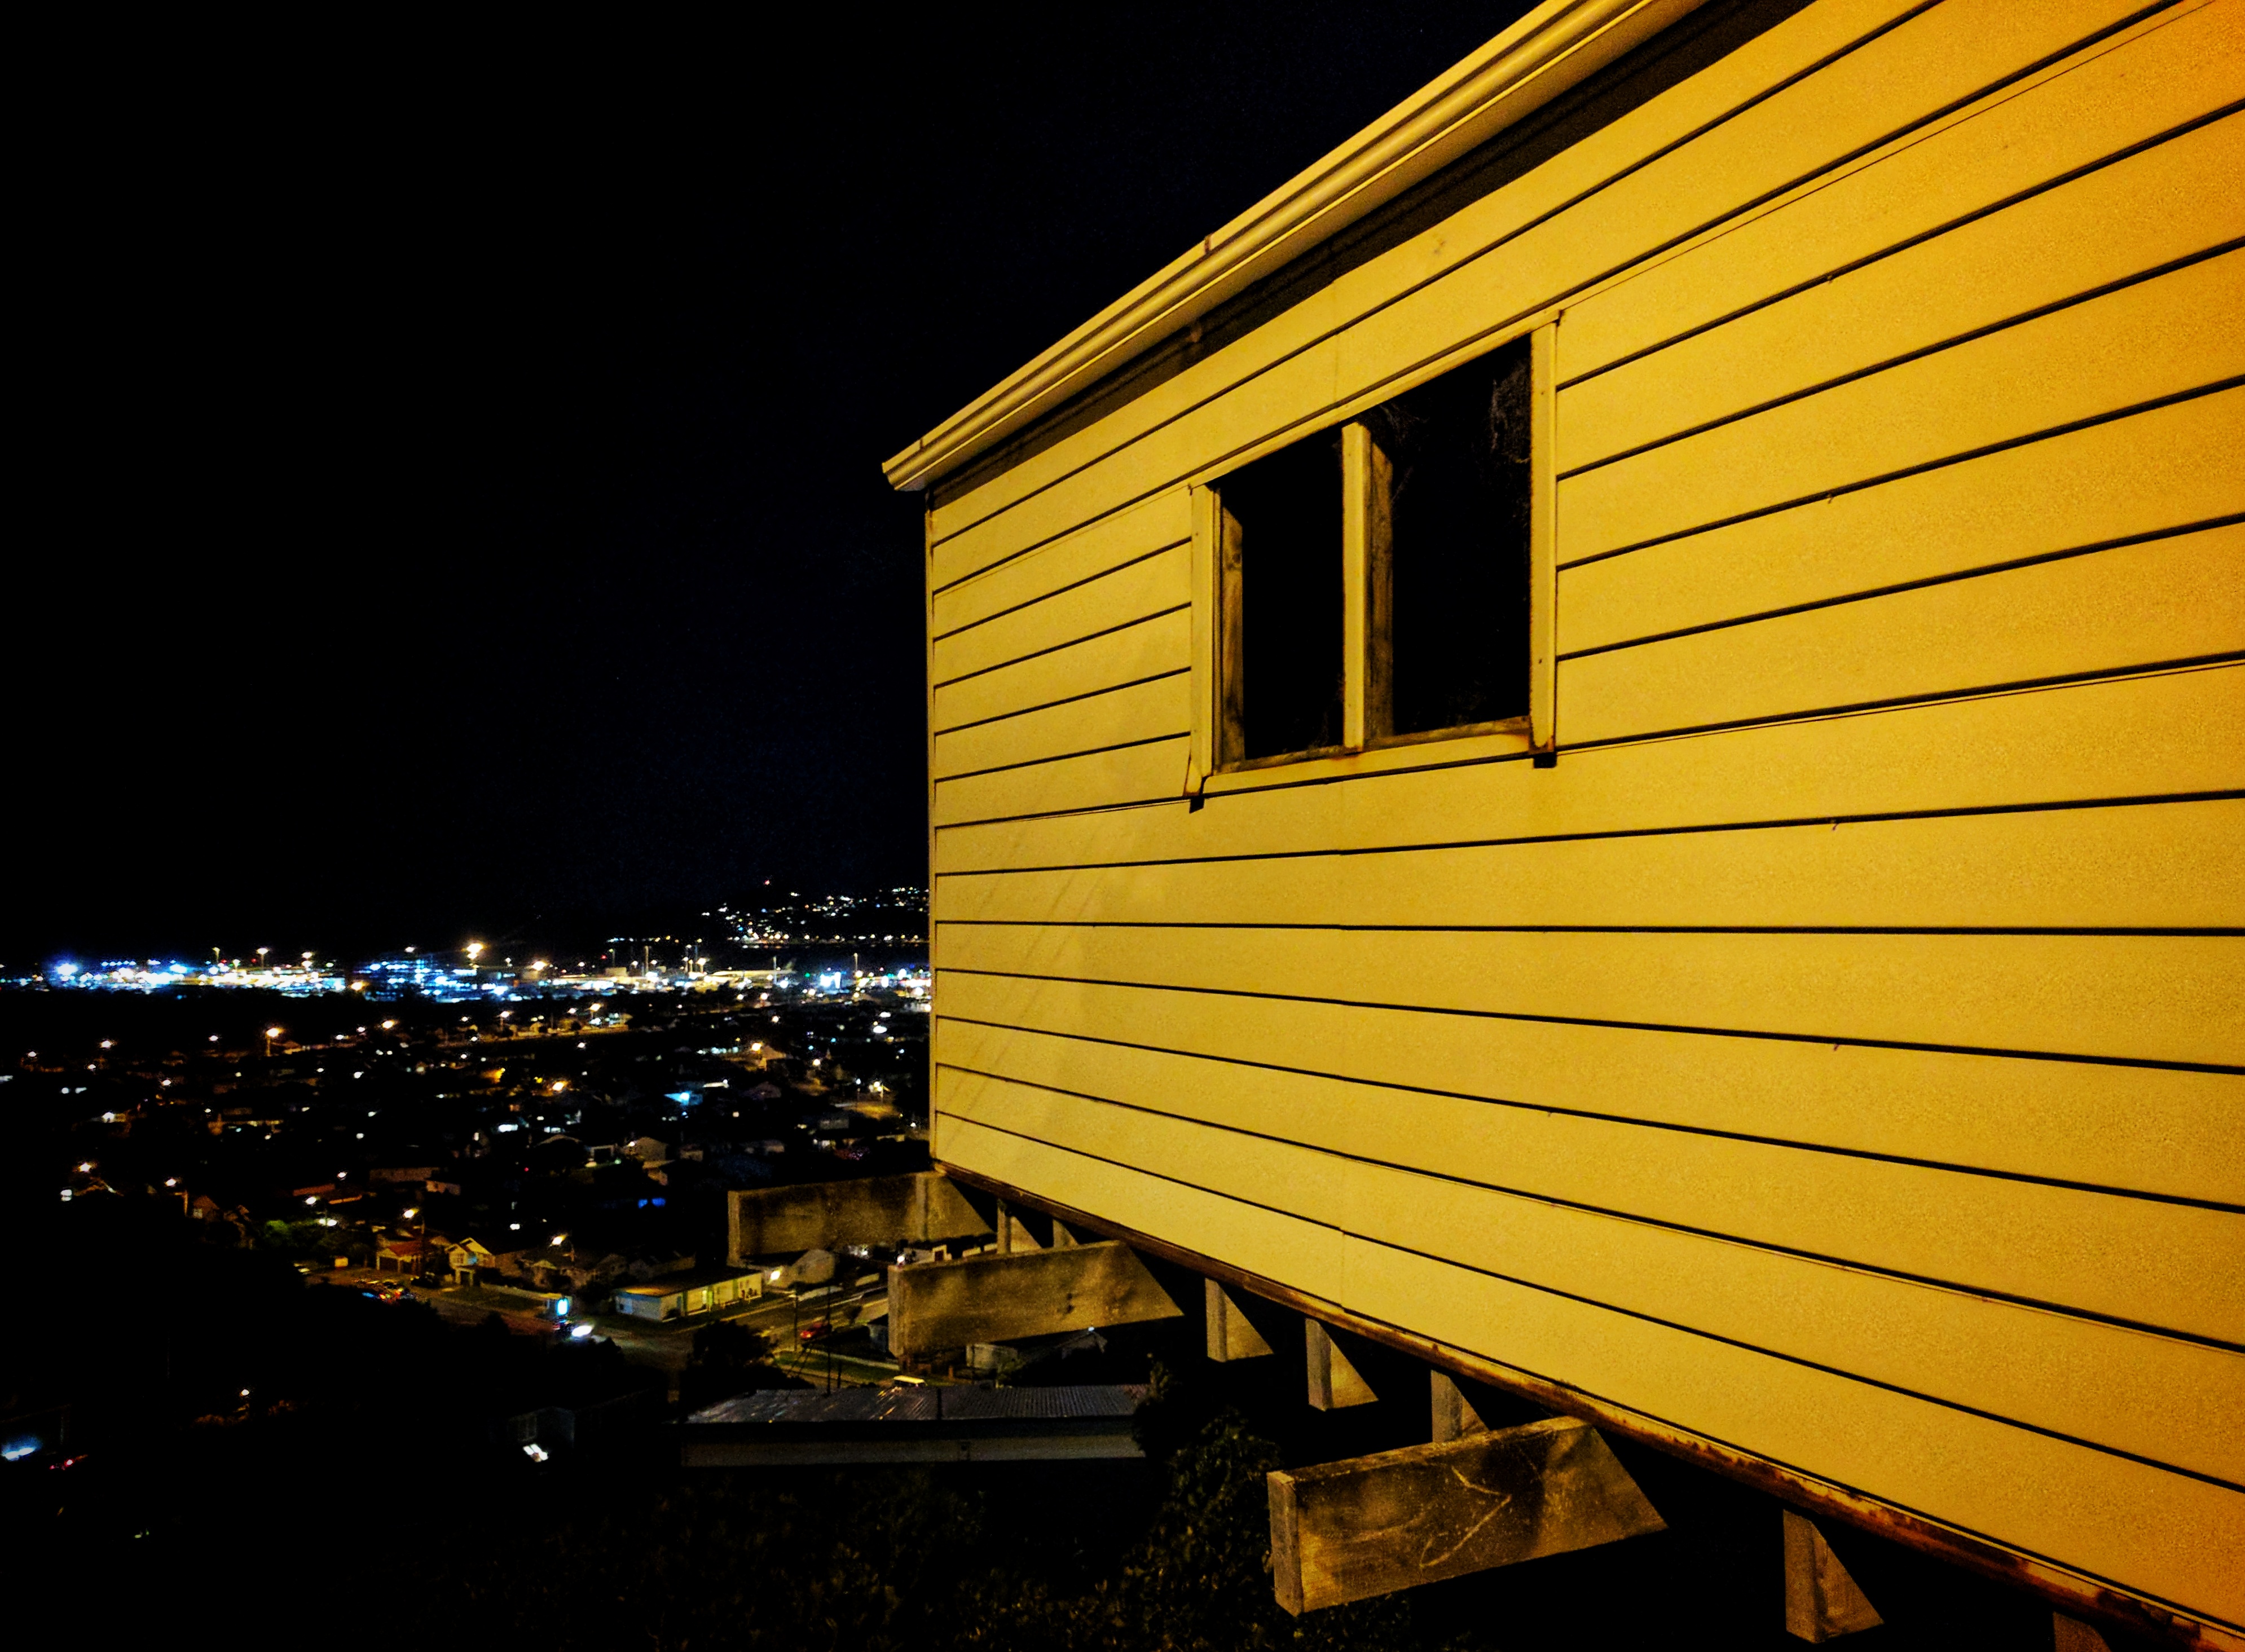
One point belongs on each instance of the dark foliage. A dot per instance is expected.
(881, 1558)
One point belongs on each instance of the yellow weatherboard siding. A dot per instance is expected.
(1836, 1058)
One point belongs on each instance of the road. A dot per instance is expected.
(666, 1347)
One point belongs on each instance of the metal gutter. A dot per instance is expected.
(1557, 47)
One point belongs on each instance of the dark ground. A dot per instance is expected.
(358, 1498)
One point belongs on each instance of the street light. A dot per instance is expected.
(271, 1033)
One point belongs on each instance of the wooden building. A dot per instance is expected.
(1606, 740)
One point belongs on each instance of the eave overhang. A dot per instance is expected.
(1554, 47)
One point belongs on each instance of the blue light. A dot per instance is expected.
(16, 1450)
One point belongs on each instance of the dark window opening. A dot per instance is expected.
(1457, 455)
(1281, 602)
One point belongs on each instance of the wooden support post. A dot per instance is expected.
(1820, 1600)
(1347, 1530)
(939, 1305)
(1333, 1381)
(1230, 1336)
(1454, 1418)
(831, 1215)
(2072, 1635)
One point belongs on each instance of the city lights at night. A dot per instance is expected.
(892, 925)
(1331, 829)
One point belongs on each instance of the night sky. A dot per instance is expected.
(453, 463)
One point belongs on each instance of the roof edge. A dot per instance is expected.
(1555, 47)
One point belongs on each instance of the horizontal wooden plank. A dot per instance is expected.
(1098, 780)
(1100, 547)
(1122, 715)
(1150, 585)
(1148, 648)
(2138, 605)
(1266, 1241)
(2180, 1134)
(2157, 338)
(2159, 1533)
(2177, 68)
(960, 527)
(1516, 251)
(2129, 998)
(2165, 203)
(2148, 1395)
(2150, 1529)
(2130, 737)
(1871, 95)
(2166, 865)
(2160, 470)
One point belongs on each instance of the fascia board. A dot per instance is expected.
(1556, 47)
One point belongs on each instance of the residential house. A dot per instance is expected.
(1604, 741)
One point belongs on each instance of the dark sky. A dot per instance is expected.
(453, 463)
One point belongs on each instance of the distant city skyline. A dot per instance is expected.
(894, 917)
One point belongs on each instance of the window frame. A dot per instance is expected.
(1365, 707)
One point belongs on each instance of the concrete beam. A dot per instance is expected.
(1822, 1600)
(939, 1305)
(828, 1216)
(1347, 1530)
(1230, 1336)
(1333, 1381)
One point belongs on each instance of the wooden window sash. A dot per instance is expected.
(1368, 587)
(1367, 710)
(1206, 599)
(1542, 542)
